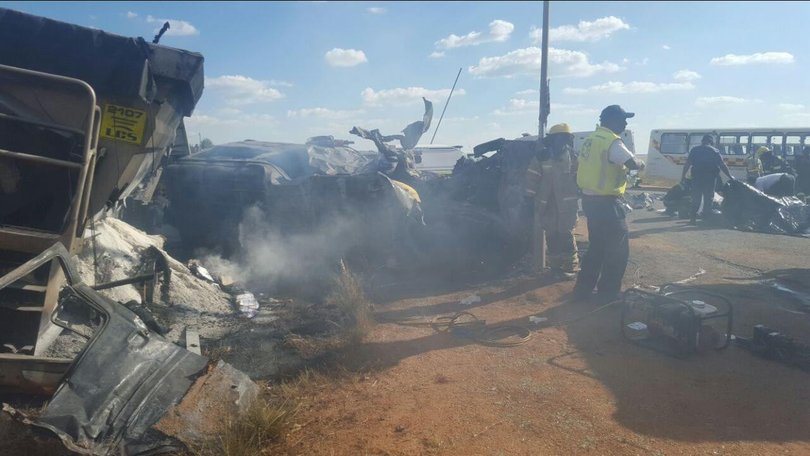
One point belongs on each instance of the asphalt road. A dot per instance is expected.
(720, 251)
(747, 267)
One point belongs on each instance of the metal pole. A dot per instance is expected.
(545, 107)
(445, 106)
(544, 96)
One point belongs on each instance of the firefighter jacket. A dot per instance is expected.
(552, 184)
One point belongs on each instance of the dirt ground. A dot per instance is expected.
(575, 389)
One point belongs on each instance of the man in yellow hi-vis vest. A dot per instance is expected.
(602, 177)
(551, 183)
(753, 167)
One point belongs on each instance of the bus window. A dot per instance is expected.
(757, 141)
(733, 143)
(673, 143)
(777, 143)
(793, 145)
(695, 139)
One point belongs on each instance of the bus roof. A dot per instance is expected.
(734, 129)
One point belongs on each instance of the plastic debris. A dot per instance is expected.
(198, 270)
(749, 209)
(470, 300)
(537, 320)
(691, 278)
(248, 304)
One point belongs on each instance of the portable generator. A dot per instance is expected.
(679, 322)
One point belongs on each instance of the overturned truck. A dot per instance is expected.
(84, 115)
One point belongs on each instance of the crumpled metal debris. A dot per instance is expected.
(118, 394)
(248, 304)
(640, 200)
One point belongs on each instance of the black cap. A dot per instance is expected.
(615, 112)
(708, 139)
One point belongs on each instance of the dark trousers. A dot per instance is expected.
(703, 189)
(605, 261)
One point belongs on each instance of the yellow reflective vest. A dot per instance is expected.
(753, 165)
(596, 173)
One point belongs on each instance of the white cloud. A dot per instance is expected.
(686, 76)
(176, 26)
(665, 47)
(323, 113)
(345, 57)
(526, 61)
(615, 87)
(277, 83)
(791, 107)
(131, 15)
(723, 101)
(527, 92)
(584, 31)
(376, 10)
(404, 96)
(499, 31)
(199, 121)
(573, 109)
(759, 57)
(517, 106)
(436, 55)
(242, 90)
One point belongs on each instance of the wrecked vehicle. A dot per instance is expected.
(749, 209)
(363, 199)
(298, 187)
(125, 390)
(143, 89)
(83, 114)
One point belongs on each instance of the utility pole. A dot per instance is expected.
(445, 106)
(545, 109)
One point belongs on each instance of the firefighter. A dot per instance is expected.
(771, 163)
(602, 176)
(753, 167)
(551, 182)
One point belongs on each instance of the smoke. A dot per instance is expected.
(269, 259)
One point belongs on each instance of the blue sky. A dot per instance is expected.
(285, 71)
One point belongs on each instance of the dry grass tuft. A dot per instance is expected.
(348, 296)
(251, 433)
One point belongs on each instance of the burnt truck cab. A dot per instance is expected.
(123, 390)
(84, 116)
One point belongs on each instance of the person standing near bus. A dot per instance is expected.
(706, 163)
(803, 172)
(602, 176)
(753, 168)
